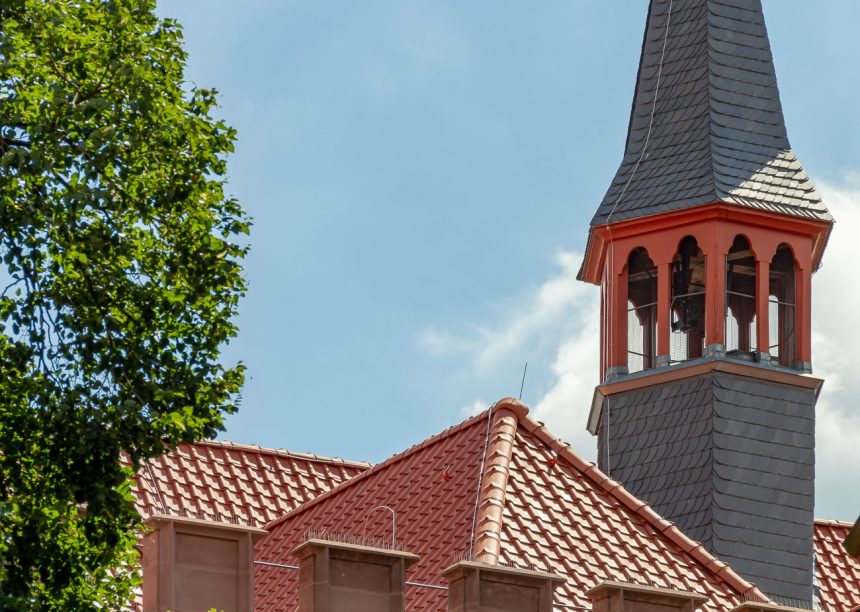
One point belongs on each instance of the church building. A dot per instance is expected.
(704, 250)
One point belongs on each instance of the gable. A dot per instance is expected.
(558, 513)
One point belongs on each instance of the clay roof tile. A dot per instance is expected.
(837, 574)
(235, 480)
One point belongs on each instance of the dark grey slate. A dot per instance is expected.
(718, 131)
(729, 459)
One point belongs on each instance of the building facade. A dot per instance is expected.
(704, 249)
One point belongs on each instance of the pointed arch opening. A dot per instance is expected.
(687, 302)
(641, 311)
(782, 307)
(741, 300)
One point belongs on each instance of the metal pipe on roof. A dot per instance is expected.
(421, 585)
(281, 565)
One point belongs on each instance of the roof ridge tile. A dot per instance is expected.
(832, 523)
(501, 436)
(282, 452)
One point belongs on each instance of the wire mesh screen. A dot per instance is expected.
(641, 311)
(782, 331)
(687, 340)
(782, 309)
(741, 334)
(641, 336)
(740, 299)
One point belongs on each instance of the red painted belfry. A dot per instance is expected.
(704, 249)
(710, 231)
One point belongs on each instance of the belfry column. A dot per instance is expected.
(664, 280)
(762, 309)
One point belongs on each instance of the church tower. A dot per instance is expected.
(704, 248)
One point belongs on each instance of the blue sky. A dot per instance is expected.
(421, 176)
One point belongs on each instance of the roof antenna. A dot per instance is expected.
(523, 384)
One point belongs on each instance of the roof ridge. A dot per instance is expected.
(712, 111)
(641, 508)
(496, 468)
(379, 467)
(832, 523)
(282, 452)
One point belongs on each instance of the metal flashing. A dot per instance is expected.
(692, 369)
(594, 413)
(648, 591)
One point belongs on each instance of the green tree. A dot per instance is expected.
(120, 279)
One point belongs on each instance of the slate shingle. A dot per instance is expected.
(710, 66)
(731, 460)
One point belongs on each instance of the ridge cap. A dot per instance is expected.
(504, 417)
(819, 522)
(719, 194)
(281, 452)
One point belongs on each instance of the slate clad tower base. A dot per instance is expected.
(704, 248)
(731, 460)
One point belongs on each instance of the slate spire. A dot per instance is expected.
(707, 123)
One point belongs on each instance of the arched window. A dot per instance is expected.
(740, 300)
(641, 311)
(688, 301)
(782, 308)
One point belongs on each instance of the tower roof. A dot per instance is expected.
(707, 124)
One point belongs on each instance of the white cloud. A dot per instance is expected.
(543, 314)
(438, 342)
(555, 327)
(836, 356)
(474, 407)
(532, 320)
(565, 406)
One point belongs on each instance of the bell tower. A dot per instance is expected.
(704, 249)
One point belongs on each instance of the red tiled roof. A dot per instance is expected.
(226, 481)
(431, 487)
(527, 498)
(563, 511)
(836, 573)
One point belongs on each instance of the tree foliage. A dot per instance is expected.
(120, 278)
